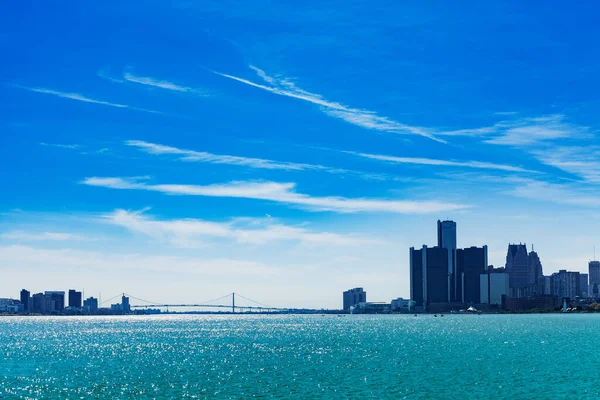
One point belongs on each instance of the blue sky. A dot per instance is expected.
(187, 150)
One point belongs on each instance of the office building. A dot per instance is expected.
(429, 276)
(565, 284)
(447, 238)
(494, 284)
(26, 300)
(354, 296)
(10, 306)
(536, 272)
(594, 273)
(125, 304)
(74, 299)
(58, 297)
(90, 304)
(471, 263)
(43, 303)
(583, 285)
(517, 267)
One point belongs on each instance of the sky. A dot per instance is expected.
(179, 151)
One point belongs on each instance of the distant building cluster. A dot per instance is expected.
(53, 302)
(445, 278)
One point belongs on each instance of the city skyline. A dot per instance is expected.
(273, 152)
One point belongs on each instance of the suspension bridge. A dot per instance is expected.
(223, 304)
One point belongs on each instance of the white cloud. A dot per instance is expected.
(62, 146)
(148, 81)
(194, 232)
(435, 162)
(360, 117)
(573, 195)
(526, 131)
(258, 163)
(79, 97)
(582, 161)
(41, 236)
(17, 256)
(282, 193)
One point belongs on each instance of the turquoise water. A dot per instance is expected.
(458, 356)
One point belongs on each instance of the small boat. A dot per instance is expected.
(435, 315)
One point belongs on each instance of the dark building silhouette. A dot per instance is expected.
(429, 276)
(26, 300)
(91, 304)
(594, 277)
(517, 266)
(74, 299)
(446, 235)
(471, 263)
(351, 297)
(536, 272)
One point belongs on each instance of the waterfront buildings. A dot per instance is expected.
(354, 296)
(74, 299)
(447, 239)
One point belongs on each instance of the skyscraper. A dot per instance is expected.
(429, 276)
(517, 267)
(91, 304)
(58, 297)
(583, 285)
(536, 273)
(26, 300)
(354, 296)
(470, 264)
(447, 239)
(74, 299)
(594, 272)
(565, 284)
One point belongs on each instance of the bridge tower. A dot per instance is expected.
(233, 302)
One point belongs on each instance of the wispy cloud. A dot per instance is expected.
(582, 161)
(360, 117)
(526, 131)
(148, 81)
(281, 193)
(62, 146)
(194, 232)
(41, 236)
(34, 257)
(555, 193)
(435, 162)
(258, 163)
(79, 97)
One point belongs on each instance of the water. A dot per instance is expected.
(458, 356)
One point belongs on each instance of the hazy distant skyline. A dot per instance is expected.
(183, 151)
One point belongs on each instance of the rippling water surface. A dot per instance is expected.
(468, 356)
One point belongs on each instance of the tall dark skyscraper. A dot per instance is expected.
(429, 275)
(517, 266)
(536, 273)
(74, 299)
(471, 263)
(26, 300)
(446, 232)
(594, 279)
